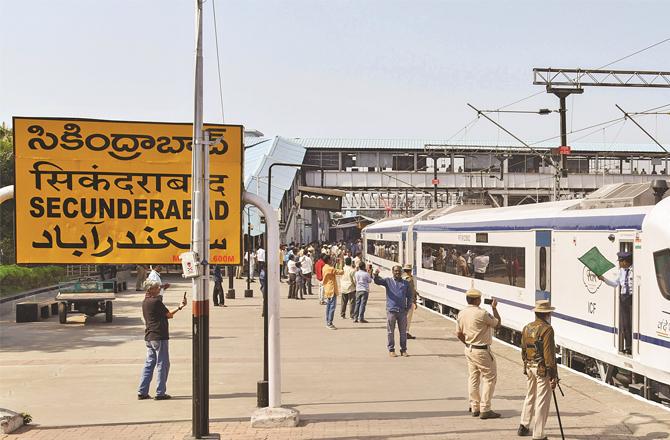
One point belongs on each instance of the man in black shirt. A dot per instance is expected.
(156, 336)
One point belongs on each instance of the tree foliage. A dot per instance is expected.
(7, 208)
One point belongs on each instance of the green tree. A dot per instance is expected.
(7, 208)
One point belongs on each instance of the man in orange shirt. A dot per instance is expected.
(329, 274)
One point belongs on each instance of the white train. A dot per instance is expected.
(524, 253)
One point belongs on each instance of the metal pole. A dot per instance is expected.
(231, 288)
(262, 393)
(435, 180)
(6, 193)
(248, 293)
(200, 246)
(553, 164)
(272, 303)
(641, 128)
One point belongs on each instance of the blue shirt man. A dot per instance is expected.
(398, 300)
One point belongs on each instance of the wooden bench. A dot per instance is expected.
(32, 311)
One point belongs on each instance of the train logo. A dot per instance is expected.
(591, 280)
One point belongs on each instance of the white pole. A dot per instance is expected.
(200, 246)
(6, 193)
(272, 277)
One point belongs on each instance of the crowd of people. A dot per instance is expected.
(341, 272)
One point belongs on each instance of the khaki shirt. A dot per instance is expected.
(410, 280)
(476, 324)
(546, 361)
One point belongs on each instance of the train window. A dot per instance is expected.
(498, 264)
(482, 237)
(543, 268)
(662, 266)
(385, 249)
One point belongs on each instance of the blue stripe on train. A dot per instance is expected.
(644, 338)
(652, 340)
(632, 221)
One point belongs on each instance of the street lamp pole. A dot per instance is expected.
(262, 393)
(248, 293)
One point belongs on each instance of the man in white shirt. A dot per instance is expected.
(306, 264)
(625, 284)
(292, 273)
(348, 287)
(481, 263)
(260, 256)
(251, 264)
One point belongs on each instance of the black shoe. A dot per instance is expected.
(143, 397)
(363, 321)
(410, 336)
(163, 397)
(523, 431)
(489, 415)
(356, 321)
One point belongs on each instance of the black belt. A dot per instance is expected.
(477, 347)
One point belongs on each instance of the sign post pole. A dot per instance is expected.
(200, 246)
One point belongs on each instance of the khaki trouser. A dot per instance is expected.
(481, 369)
(410, 314)
(536, 405)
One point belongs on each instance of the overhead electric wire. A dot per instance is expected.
(602, 129)
(634, 53)
(218, 59)
(598, 125)
(543, 91)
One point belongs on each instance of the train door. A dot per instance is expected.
(542, 265)
(627, 302)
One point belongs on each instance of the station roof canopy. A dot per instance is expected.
(259, 154)
(419, 144)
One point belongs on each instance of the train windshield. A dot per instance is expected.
(662, 266)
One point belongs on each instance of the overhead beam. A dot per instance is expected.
(600, 78)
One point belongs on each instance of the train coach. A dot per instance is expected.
(525, 253)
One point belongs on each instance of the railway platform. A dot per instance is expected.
(79, 380)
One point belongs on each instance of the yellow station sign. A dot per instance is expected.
(110, 192)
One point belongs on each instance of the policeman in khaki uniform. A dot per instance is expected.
(407, 275)
(539, 361)
(474, 330)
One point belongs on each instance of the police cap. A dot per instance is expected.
(473, 293)
(623, 255)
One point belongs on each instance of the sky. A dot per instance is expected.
(335, 68)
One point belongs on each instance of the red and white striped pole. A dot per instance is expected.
(200, 246)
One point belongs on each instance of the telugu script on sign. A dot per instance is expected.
(94, 192)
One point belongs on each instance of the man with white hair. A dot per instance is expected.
(154, 275)
(156, 337)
